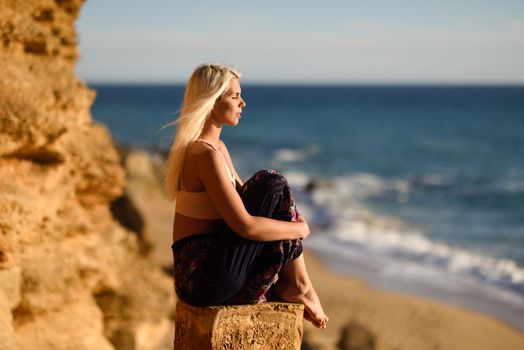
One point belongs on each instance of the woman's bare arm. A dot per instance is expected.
(211, 171)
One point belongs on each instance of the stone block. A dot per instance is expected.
(262, 326)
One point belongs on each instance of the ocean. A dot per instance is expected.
(416, 189)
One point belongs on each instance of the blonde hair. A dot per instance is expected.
(207, 83)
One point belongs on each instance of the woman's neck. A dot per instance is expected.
(211, 131)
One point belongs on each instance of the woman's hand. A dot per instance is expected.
(303, 222)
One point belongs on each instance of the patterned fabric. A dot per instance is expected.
(223, 268)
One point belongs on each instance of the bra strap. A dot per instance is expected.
(187, 150)
(232, 176)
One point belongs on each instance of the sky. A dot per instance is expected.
(340, 42)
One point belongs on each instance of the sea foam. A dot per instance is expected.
(349, 223)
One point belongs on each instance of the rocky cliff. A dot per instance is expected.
(71, 276)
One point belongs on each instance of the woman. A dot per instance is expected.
(234, 242)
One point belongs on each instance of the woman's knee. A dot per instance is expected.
(270, 178)
(265, 182)
(267, 193)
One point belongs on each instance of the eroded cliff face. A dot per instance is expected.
(71, 277)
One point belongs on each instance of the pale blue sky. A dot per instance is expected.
(372, 41)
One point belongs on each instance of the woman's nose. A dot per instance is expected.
(242, 103)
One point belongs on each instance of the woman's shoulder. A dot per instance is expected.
(198, 153)
(204, 155)
(199, 147)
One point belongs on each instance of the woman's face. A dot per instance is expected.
(228, 107)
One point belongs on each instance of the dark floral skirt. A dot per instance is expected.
(224, 268)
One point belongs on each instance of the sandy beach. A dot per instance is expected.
(401, 321)
(396, 321)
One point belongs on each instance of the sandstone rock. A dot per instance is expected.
(60, 246)
(139, 313)
(356, 337)
(144, 191)
(143, 187)
(125, 212)
(10, 282)
(259, 326)
(140, 169)
(75, 326)
(7, 332)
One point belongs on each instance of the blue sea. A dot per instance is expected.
(416, 189)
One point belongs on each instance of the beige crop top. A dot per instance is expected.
(198, 204)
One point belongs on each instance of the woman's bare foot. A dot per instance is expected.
(294, 286)
(307, 296)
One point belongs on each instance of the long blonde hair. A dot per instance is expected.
(207, 83)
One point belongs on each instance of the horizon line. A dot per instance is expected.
(320, 83)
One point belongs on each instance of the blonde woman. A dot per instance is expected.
(233, 242)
